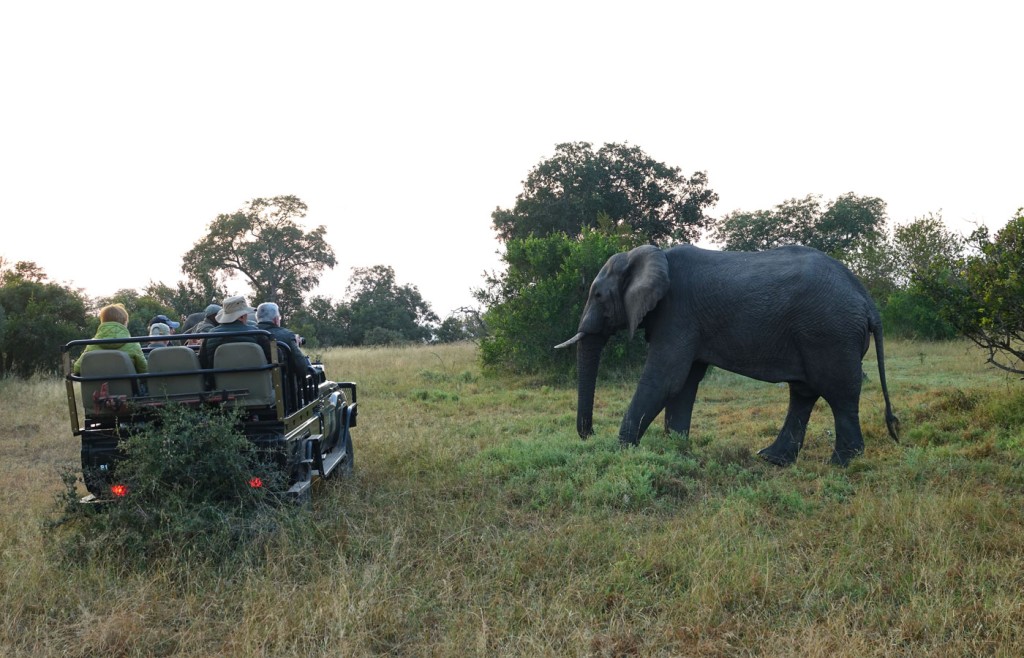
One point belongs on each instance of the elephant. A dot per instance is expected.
(790, 314)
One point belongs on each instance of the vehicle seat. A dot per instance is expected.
(112, 363)
(244, 355)
(174, 358)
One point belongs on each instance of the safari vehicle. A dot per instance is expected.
(299, 421)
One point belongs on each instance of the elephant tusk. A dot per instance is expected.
(572, 341)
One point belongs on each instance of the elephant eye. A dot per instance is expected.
(599, 294)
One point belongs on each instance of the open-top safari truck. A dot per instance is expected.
(300, 421)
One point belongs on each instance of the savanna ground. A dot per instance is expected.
(479, 524)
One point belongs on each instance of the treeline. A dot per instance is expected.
(265, 246)
(577, 208)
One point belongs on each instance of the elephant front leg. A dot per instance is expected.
(679, 409)
(786, 447)
(648, 401)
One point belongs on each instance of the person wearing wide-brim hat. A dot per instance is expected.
(232, 318)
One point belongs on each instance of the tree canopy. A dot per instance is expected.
(380, 311)
(570, 190)
(262, 242)
(36, 318)
(982, 294)
(847, 224)
(578, 208)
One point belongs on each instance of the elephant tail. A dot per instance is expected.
(891, 421)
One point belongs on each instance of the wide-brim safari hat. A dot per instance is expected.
(234, 308)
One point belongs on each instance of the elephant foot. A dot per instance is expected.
(772, 455)
(842, 458)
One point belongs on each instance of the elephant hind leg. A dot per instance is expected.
(786, 447)
(849, 439)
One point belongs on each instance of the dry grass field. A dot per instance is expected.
(478, 524)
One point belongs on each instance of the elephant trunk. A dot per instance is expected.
(588, 358)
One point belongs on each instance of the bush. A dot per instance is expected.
(383, 336)
(188, 477)
(538, 302)
(912, 314)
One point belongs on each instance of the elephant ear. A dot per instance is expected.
(646, 285)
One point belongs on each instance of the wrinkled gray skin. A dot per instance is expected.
(790, 315)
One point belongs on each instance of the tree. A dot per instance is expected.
(321, 321)
(186, 296)
(576, 210)
(36, 318)
(462, 324)
(537, 302)
(923, 245)
(262, 243)
(982, 294)
(848, 224)
(567, 192)
(377, 303)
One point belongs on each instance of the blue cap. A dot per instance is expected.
(166, 320)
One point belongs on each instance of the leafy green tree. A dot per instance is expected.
(185, 297)
(911, 313)
(874, 264)
(982, 294)
(846, 225)
(537, 302)
(923, 245)
(262, 242)
(36, 318)
(376, 301)
(570, 190)
(915, 249)
(322, 322)
(462, 324)
(577, 209)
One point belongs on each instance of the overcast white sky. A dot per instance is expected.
(126, 127)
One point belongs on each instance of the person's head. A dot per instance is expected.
(234, 309)
(114, 313)
(165, 320)
(211, 312)
(159, 329)
(268, 312)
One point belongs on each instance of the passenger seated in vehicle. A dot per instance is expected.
(232, 318)
(165, 320)
(206, 323)
(114, 324)
(209, 320)
(268, 316)
(159, 329)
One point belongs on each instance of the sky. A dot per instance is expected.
(127, 127)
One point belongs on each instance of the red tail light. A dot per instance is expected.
(255, 483)
(119, 490)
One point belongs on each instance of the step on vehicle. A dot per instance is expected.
(300, 421)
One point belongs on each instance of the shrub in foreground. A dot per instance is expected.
(190, 479)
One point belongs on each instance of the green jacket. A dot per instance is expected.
(116, 330)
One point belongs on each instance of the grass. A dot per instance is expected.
(478, 524)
